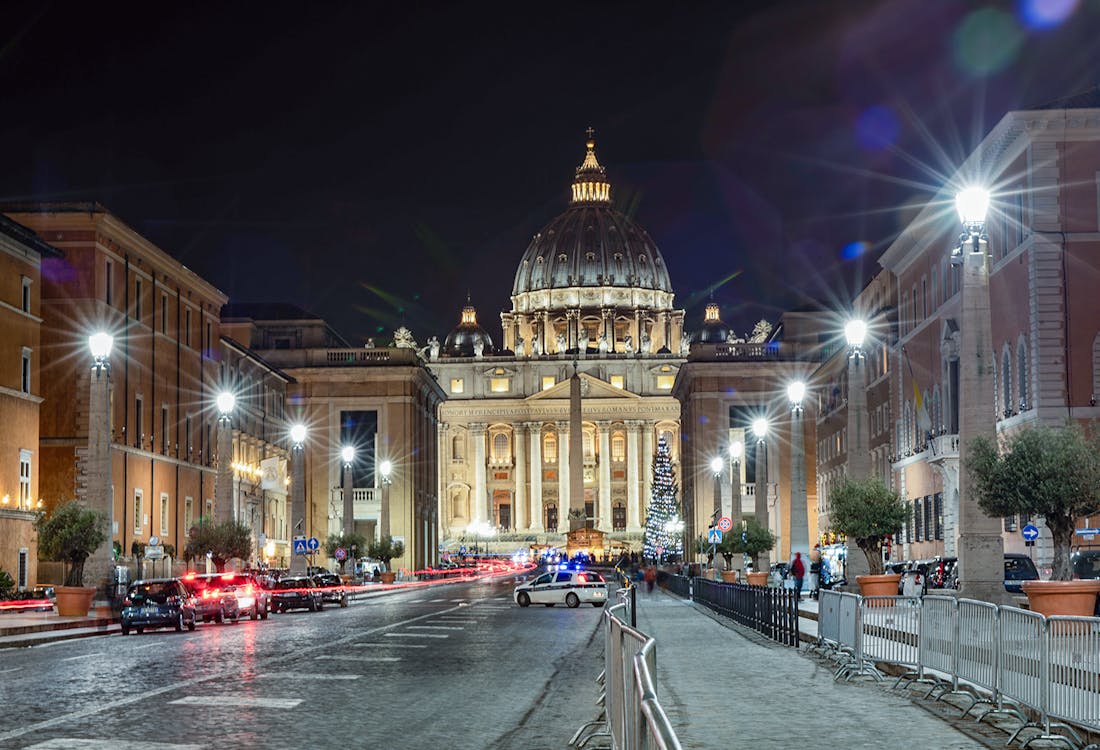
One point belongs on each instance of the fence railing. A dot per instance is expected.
(772, 612)
(1007, 658)
(679, 585)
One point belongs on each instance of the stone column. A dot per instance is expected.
(223, 482)
(534, 429)
(607, 315)
(603, 515)
(800, 514)
(99, 568)
(443, 458)
(520, 440)
(349, 502)
(761, 490)
(981, 547)
(633, 476)
(563, 476)
(297, 520)
(736, 515)
(646, 468)
(572, 323)
(576, 446)
(481, 500)
(858, 455)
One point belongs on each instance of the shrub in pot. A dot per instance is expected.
(867, 512)
(347, 542)
(752, 540)
(71, 534)
(224, 541)
(385, 549)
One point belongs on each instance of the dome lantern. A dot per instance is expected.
(591, 185)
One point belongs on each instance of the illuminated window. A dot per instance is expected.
(550, 448)
(458, 385)
(548, 382)
(164, 514)
(618, 381)
(618, 447)
(501, 451)
(458, 448)
(24, 479)
(498, 385)
(25, 300)
(139, 508)
(664, 382)
(589, 445)
(188, 513)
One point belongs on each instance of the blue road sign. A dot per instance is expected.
(462, 550)
(313, 544)
(714, 536)
(300, 547)
(1087, 532)
(1030, 532)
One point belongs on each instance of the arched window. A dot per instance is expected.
(1021, 374)
(1006, 384)
(550, 448)
(589, 446)
(501, 451)
(458, 448)
(618, 447)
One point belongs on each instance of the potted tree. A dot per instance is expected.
(222, 541)
(70, 534)
(346, 542)
(754, 539)
(868, 511)
(385, 549)
(1053, 473)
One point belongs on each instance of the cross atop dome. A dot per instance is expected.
(591, 185)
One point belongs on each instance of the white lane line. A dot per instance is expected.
(82, 656)
(146, 645)
(436, 627)
(356, 657)
(449, 621)
(13, 669)
(235, 701)
(417, 635)
(75, 743)
(390, 645)
(305, 676)
(458, 600)
(230, 671)
(437, 601)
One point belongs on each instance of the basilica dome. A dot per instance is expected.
(591, 254)
(714, 330)
(468, 339)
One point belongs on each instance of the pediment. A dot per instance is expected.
(590, 388)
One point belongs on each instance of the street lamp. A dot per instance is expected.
(980, 545)
(800, 522)
(858, 456)
(297, 495)
(97, 467)
(385, 468)
(737, 450)
(223, 482)
(760, 431)
(347, 453)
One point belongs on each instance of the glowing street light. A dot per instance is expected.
(760, 506)
(737, 450)
(716, 465)
(225, 402)
(347, 453)
(96, 470)
(800, 521)
(972, 205)
(796, 391)
(298, 435)
(760, 428)
(855, 331)
(224, 500)
(297, 518)
(100, 343)
(385, 468)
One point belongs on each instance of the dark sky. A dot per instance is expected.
(373, 162)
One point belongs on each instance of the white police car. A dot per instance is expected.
(568, 587)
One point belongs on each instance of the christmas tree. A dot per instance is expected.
(662, 539)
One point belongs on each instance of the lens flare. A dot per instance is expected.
(986, 42)
(1044, 14)
(877, 128)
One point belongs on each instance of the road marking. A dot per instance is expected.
(437, 601)
(448, 620)
(230, 671)
(74, 743)
(372, 644)
(436, 627)
(356, 657)
(458, 600)
(146, 645)
(82, 656)
(306, 676)
(13, 669)
(235, 701)
(417, 635)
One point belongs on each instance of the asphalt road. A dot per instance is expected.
(457, 666)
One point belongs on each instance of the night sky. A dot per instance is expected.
(375, 162)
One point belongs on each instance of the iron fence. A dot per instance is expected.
(772, 612)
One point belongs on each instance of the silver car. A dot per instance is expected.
(568, 587)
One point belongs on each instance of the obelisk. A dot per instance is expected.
(576, 451)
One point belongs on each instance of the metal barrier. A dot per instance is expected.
(770, 611)
(634, 718)
(890, 629)
(828, 619)
(1073, 679)
(679, 585)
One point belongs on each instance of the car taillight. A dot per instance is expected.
(248, 590)
(126, 602)
(206, 593)
(582, 578)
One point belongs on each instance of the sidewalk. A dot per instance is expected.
(725, 686)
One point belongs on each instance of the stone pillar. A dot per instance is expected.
(481, 500)
(603, 515)
(800, 514)
(646, 469)
(761, 490)
(223, 482)
(576, 445)
(538, 518)
(858, 455)
(297, 520)
(736, 515)
(608, 316)
(633, 476)
(572, 323)
(99, 568)
(563, 476)
(349, 502)
(981, 547)
(522, 522)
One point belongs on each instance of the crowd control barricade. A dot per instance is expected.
(828, 620)
(1071, 688)
(939, 618)
(889, 630)
(1022, 659)
(978, 654)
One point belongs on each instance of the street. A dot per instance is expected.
(443, 666)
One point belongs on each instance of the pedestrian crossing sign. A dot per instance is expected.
(300, 547)
(714, 536)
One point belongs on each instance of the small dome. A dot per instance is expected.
(714, 330)
(464, 340)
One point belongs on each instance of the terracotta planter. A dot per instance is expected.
(74, 601)
(880, 585)
(730, 576)
(1062, 597)
(388, 576)
(757, 579)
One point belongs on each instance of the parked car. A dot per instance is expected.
(777, 574)
(253, 599)
(157, 603)
(212, 601)
(1018, 568)
(569, 587)
(1085, 564)
(296, 592)
(332, 589)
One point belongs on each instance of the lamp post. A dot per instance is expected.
(858, 456)
(800, 523)
(347, 454)
(737, 450)
(224, 509)
(981, 548)
(386, 470)
(297, 494)
(97, 468)
(760, 430)
(716, 465)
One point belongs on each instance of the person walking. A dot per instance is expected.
(650, 578)
(798, 572)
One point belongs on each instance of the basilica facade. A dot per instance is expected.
(591, 295)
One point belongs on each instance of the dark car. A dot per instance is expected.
(1018, 568)
(296, 592)
(1085, 564)
(157, 603)
(253, 599)
(332, 589)
(212, 601)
